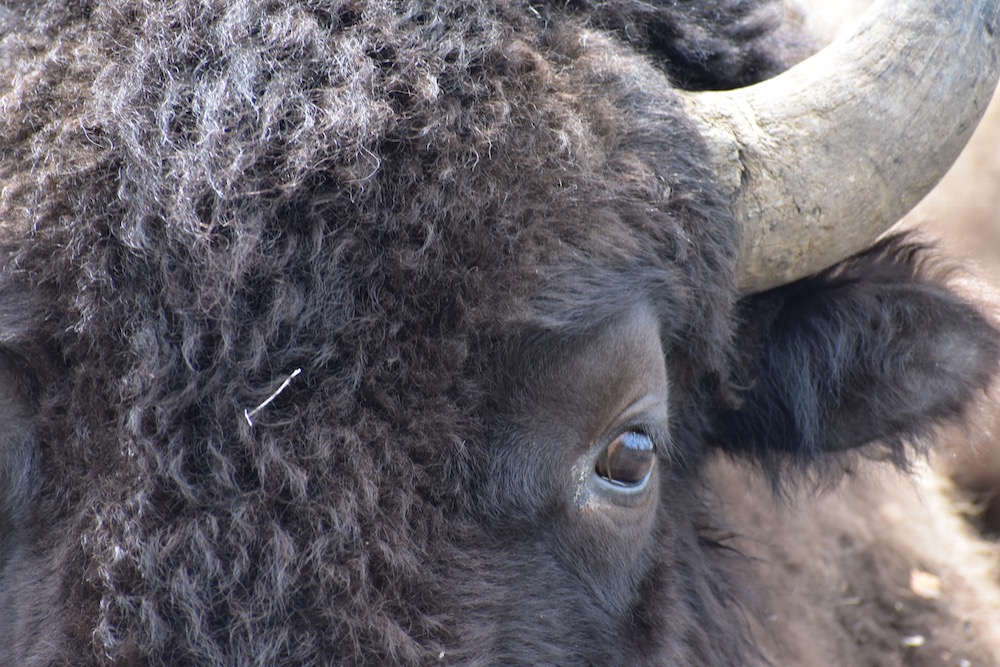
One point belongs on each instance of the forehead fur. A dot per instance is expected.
(396, 158)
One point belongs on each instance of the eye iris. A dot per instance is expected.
(627, 460)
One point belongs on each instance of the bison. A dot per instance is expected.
(404, 332)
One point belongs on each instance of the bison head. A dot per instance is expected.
(499, 246)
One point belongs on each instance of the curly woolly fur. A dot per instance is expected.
(197, 198)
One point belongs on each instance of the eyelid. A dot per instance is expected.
(658, 434)
(646, 404)
(650, 420)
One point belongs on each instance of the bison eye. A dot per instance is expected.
(628, 460)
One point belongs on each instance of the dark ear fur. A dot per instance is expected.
(874, 349)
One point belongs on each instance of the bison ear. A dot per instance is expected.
(873, 350)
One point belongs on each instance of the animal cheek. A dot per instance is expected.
(608, 543)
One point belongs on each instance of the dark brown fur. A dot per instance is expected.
(418, 205)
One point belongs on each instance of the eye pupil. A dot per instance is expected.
(627, 460)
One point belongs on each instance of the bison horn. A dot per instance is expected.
(823, 158)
